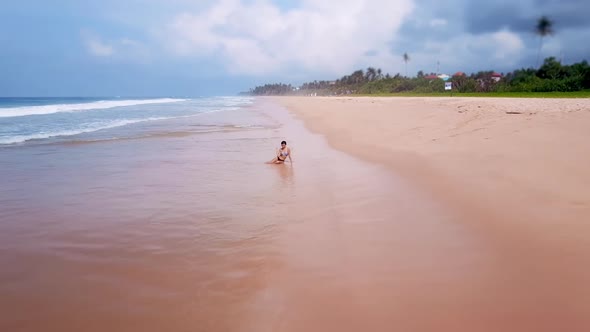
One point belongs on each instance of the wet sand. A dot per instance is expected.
(187, 231)
(184, 230)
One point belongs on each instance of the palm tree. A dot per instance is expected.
(406, 59)
(544, 28)
(358, 76)
(371, 74)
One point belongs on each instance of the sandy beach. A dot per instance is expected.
(509, 157)
(513, 171)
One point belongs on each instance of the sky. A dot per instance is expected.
(201, 47)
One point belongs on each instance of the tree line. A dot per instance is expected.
(551, 76)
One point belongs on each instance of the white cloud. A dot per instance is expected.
(506, 44)
(97, 47)
(119, 49)
(257, 37)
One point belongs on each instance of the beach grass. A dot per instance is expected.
(575, 94)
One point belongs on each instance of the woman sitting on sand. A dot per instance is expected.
(282, 154)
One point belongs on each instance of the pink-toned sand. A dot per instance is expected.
(514, 171)
(535, 163)
(462, 218)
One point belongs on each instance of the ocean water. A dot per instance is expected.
(161, 215)
(43, 120)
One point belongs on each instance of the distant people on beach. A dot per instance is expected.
(282, 154)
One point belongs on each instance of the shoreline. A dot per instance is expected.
(512, 169)
(516, 184)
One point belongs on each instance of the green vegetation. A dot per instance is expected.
(552, 79)
(406, 59)
(272, 90)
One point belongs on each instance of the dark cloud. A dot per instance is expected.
(490, 17)
(419, 28)
(469, 22)
(522, 16)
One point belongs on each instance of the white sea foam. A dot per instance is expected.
(88, 129)
(103, 104)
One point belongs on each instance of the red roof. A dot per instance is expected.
(459, 73)
(496, 75)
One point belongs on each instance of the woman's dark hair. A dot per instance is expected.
(283, 142)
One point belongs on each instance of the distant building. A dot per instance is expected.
(496, 76)
(444, 77)
(459, 73)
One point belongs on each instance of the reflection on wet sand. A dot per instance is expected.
(286, 172)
